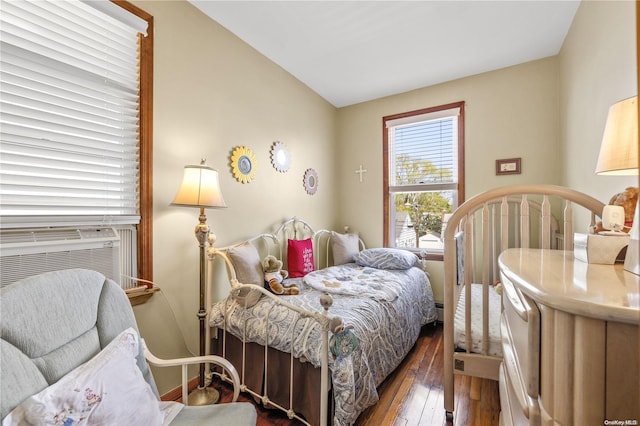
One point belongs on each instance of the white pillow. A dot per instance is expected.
(107, 389)
(344, 247)
(246, 262)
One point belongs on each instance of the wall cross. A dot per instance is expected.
(361, 171)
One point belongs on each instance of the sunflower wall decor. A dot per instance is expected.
(280, 157)
(310, 181)
(243, 164)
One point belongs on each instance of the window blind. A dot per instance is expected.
(69, 85)
(424, 150)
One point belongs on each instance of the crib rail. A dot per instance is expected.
(539, 216)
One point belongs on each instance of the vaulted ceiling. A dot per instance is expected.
(354, 51)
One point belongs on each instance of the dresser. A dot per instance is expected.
(570, 341)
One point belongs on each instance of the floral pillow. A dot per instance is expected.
(107, 389)
(300, 257)
(386, 258)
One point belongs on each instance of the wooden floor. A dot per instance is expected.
(413, 394)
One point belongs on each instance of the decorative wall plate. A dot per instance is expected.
(280, 157)
(310, 181)
(243, 164)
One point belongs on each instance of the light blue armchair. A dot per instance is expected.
(57, 321)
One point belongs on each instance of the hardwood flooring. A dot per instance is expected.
(413, 394)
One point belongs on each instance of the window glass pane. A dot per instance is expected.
(419, 217)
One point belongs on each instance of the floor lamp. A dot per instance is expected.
(201, 188)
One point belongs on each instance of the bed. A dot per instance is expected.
(537, 216)
(320, 355)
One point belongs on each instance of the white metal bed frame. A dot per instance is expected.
(490, 226)
(293, 228)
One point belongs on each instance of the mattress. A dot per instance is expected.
(495, 344)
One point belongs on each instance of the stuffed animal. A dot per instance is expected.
(627, 199)
(274, 277)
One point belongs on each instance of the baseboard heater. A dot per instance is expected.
(27, 252)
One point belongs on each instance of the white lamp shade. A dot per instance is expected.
(619, 149)
(200, 188)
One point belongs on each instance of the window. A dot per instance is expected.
(423, 175)
(76, 105)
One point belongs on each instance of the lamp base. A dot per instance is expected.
(204, 396)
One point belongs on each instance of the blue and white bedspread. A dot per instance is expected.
(386, 326)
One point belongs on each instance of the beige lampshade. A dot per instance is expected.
(200, 188)
(619, 149)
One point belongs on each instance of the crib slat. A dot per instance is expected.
(524, 221)
(568, 226)
(468, 278)
(486, 232)
(504, 235)
(545, 226)
(517, 233)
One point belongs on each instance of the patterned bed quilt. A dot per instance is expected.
(385, 309)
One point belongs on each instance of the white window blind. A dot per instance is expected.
(423, 151)
(69, 86)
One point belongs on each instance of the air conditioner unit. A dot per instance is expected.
(27, 252)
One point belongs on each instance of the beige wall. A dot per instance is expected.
(511, 112)
(597, 68)
(213, 92)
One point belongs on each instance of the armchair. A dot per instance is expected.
(63, 329)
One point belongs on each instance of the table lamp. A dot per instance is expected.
(201, 188)
(619, 157)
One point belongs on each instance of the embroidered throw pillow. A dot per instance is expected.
(344, 247)
(107, 389)
(386, 258)
(299, 257)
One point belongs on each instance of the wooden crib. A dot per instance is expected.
(537, 216)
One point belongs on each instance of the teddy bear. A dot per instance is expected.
(274, 276)
(627, 199)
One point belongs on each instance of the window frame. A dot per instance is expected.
(145, 226)
(386, 167)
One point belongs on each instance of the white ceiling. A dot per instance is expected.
(354, 51)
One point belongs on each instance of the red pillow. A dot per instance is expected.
(299, 257)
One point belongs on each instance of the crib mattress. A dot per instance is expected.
(495, 345)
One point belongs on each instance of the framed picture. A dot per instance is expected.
(508, 166)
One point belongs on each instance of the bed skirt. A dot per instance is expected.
(306, 384)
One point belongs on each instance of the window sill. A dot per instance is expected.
(141, 296)
(428, 255)
(435, 256)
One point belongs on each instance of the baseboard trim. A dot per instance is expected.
(176, 394)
